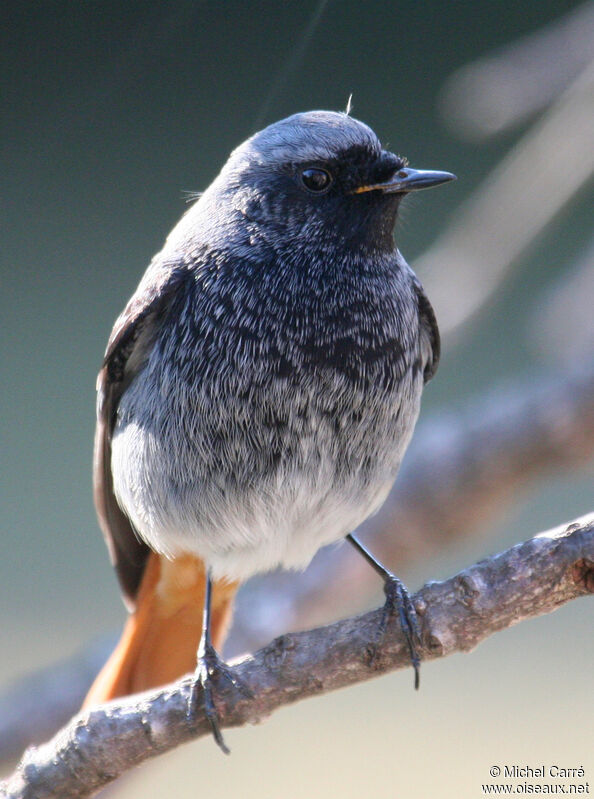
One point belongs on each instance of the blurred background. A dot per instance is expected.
(110, 112)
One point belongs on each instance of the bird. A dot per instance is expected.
(258, 392)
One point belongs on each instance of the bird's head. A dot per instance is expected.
(321, 175)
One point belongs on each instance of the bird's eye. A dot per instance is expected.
(316, 180)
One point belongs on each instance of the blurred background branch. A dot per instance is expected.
(518, 199)
(566, 309)
(511, 85)
(462, 471)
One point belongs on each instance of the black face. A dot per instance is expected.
(319, 198)
(356, 168)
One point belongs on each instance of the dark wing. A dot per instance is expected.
(129, 345)
(429, 325)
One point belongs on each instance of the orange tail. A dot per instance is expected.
(160, 639)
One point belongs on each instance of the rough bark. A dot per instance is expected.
(530, 579)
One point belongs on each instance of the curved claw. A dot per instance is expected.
(398, 599)
(211, 668)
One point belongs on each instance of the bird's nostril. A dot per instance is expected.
(387, 167)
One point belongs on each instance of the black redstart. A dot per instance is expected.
(260, 388)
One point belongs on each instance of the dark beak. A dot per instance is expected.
(407, 179)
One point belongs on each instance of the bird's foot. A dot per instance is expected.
(398, 601)
(210, 669)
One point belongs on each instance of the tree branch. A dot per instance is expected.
(529, 579)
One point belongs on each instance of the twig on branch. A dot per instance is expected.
(529, 579)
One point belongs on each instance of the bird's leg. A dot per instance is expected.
(397, 599)
(209, 668)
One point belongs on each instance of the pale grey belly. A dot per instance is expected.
(205, 483)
